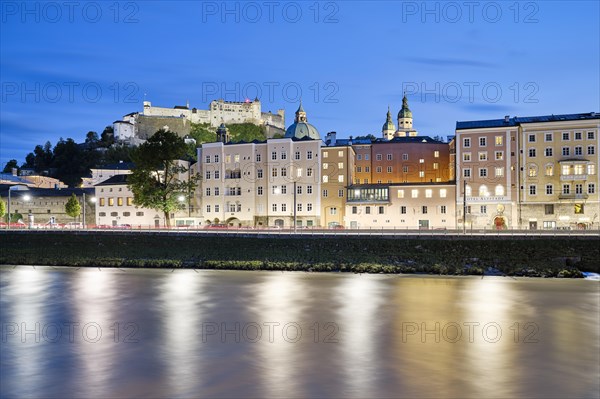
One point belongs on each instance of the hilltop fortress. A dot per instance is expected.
(136, 127)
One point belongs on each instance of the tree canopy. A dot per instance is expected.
(72, 207)
(159, 178)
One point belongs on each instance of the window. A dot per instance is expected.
(299, 207)
(578, 150)
(259, 173)
(533, 189)
(436, 166)
(532, 138)
(467, 142)
(99, 214)
(499, 190)
(422, 174)
(579, 209)
(378, 169)
(532, 152)
(421, 160)
(424, 209)
(565, 136)
(566, 189)
(428, 193)
(216, 158)
(325, 193)
(354, 210)
(482, 141)
(259, 190)
(414, 193)
(405, 157)
(309, 172)
(366, 157)
(207, 175)
(273, 155)
(591, 169)
(483, 209)
(566, 169)
(532, 171)
(591, 150)
(499, 171)
(129, 201)
(309, 155)
(548, 152)
(274, 207)
(591, 188)
(389, 157)
(283, 207)
(467, 172)
(341, 193)
(405, 169)
(565, 151)
(483, 156)
(467, 157)
(274, 172)
(341, 178)
(340, 165)
(359, 157)
(283, 172)
(217, 191)
(299, 190)
(217, 208)
(548, 137)
(207, 192)
(378, 157)
(325, 165)
(483, 172)
(114, 214)
(207, 159)
(403, 210)
(549, 170)
(207, 208)
(578, 136)
(499, 155)
(443, 193)
(367, 169)
(299, 172)
(340, 153)
(579, 189)
(590, 135)
(217, 175)
(297, 155)
(111, 202)
(359, 169)
(258, 157)
(368, 210)
(483, 191)
(309, 207)
(549, 209)
(443, 209)
(499, 140)
(578, 169)
(549, 189)
(380, 210)
(283, 155)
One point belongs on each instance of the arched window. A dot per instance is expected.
(468, 190)
(499, 190)
(483, 191)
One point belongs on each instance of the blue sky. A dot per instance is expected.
(67, 69)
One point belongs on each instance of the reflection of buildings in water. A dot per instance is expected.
(182, 301)
(280, 300)
(360, 324)
(29, 345)
(95, 304)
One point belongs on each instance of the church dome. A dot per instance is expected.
(301, 128)
(388, 125)
(404, 111)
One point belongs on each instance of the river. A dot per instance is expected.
(92, 333)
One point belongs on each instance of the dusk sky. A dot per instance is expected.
(68, 69)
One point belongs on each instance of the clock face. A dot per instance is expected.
(500, 208)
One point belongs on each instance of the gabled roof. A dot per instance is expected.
(116, 180)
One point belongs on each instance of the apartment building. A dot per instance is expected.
(337, 169)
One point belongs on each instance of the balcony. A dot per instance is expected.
(573, 196)
(573, 177)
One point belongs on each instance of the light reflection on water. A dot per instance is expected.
(223, 334)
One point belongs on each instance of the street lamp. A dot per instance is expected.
(295, 206)
(93, 199)
(26, 197)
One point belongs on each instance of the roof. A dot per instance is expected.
(46, 192)
(116, 180)
(128, 123)
(409, 139)
(302, 129)
(117, 166)
(382, 185)
(515, 121)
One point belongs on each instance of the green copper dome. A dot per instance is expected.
(405, 111)
(301, 128)
(388, 125)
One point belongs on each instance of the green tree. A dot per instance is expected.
(2, 207)
(10, 165)
(202, 133)
(72, 207)
(155, 181)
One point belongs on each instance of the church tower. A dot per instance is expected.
(405, 120)
(388, 128)
(222, 134)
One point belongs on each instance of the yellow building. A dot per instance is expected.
(337, 166)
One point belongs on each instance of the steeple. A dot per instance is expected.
(222, 133)
(300, 114)
(388, 128)
(405, 119)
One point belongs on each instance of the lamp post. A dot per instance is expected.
(294, 206)
(93, 199)
(26, 197)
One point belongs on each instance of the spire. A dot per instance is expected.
(300, 114)
(389, 116)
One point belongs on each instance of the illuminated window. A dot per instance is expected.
(499, 140)
(428, 193)
(414, 193)
(443, 193)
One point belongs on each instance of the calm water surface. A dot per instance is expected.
(155, 333)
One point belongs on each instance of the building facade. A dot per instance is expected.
(337, 169)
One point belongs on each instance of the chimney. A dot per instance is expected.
(506, 118)
(331, 138)
(14, 171)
